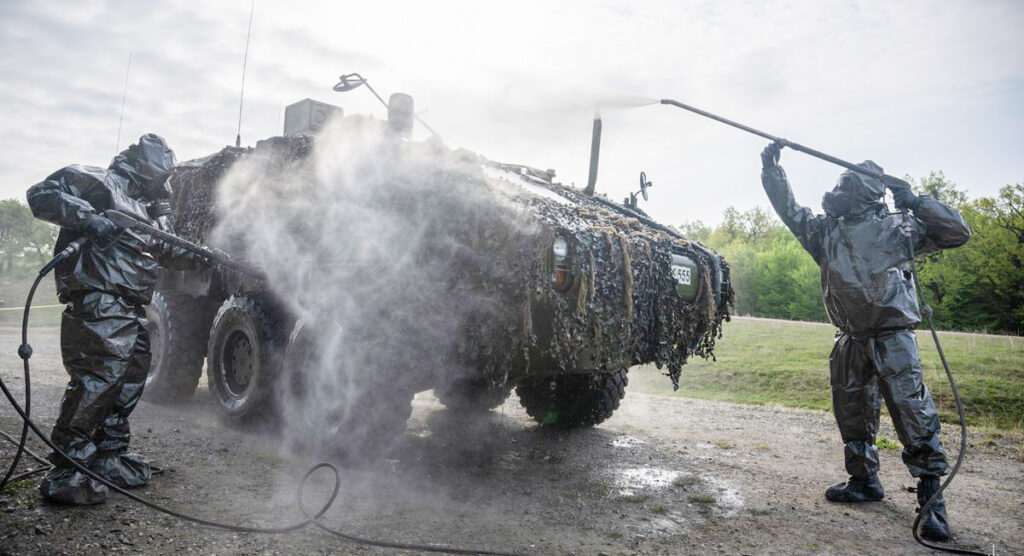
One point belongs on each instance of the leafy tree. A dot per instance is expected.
(938, 186)
(21, 233)
(980, 285)
(771, 273)
(788, 286)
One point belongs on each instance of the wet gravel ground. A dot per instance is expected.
(663, 476)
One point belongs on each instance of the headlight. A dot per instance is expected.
(562, 278)
(560, 248)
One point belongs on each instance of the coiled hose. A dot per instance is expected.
(25, 352)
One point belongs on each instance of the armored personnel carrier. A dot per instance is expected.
(389, 267)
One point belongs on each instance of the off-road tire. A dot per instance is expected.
(355, 436)
(471, 396)
(573, 400)
(244, 359)
(179, 326)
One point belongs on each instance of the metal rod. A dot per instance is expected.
(786, 142)
(595, 152)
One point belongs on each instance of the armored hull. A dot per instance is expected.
(442, 270)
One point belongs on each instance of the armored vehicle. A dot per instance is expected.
(389, 267)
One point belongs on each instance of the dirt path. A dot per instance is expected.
(663, 476)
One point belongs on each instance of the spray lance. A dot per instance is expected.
(127, 222)
(888, 180)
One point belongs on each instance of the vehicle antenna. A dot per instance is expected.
(245, 59)
(124, 98)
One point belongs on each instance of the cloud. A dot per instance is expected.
(916, 85)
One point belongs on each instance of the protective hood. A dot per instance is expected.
(854, 193)
(148, 165)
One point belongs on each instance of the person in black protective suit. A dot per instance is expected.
(869, 294)
(104, 342)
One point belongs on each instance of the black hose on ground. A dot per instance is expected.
(25, 352)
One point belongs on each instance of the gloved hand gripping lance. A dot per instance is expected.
(127, 222)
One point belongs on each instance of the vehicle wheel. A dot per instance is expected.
(575, 400)
(471, 396)
(352, 420)
(179, 326)
(244, 354)
(370, 425)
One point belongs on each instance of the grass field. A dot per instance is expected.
(786, 363)
(770, 362)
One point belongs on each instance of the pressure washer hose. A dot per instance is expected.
(926, 310)
(25, 352)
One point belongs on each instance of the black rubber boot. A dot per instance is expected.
(67, 485)
(935, 524)
(856, 489)
(128, 470)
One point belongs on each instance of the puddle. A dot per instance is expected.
(728, 499)
(635, 479)
(627, 442)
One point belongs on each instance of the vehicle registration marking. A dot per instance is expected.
(682, 275)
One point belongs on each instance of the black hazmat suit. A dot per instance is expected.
(104, 342)
(869, 295)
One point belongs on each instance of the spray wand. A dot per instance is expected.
(925, 308)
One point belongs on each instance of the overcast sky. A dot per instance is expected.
(914, 85)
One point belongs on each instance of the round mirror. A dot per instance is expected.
(348, 82)
(644, 184)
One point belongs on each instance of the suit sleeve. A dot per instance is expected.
(800, 220)
(939, 226)
(58, 202)
(175, 258)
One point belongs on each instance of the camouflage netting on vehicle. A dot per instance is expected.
(627, 298)
(430, 266)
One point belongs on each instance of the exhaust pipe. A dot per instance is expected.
(595, 152)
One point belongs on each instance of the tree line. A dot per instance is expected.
(25, 242)
(976, 287)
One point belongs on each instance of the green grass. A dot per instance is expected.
(885, 443)
(786, 363)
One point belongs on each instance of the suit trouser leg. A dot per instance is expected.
(909, 402)
(113, 461)
(856, 404)
(114, 432)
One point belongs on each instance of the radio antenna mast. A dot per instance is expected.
(245, 60)
(124, 98)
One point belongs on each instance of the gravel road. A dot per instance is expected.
(665, 475)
